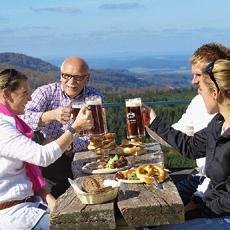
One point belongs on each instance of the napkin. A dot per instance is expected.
(76, 186)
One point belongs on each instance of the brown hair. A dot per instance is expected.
(10, 79)
(210, 52)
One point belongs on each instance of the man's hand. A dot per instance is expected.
(63, 114)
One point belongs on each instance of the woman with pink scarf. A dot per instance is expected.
(23, 197)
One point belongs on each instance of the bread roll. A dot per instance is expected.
(90, 185)
(103, 142)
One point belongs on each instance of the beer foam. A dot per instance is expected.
(134, 102)
(77, 105)
(93, 101)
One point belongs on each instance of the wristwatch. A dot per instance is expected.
(74, 133)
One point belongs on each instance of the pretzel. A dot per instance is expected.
(160, 172)
(146, 173)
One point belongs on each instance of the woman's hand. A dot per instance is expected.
(47, 197)
(84, 119)
(151, 112)
(190, 206)
(50, 201)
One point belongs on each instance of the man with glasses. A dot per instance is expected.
(49, 112)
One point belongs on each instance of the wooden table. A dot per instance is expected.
(141, 205)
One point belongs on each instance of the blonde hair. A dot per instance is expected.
(221, 73)
(210, 52)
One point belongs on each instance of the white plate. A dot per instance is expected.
(130, 181)
(92, 168)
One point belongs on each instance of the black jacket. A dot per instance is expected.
(216, 147)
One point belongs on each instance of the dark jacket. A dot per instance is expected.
(216, 147)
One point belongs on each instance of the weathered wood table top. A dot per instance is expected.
(141, 205)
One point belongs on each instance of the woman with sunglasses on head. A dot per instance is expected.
(20, 178)
(212, 211)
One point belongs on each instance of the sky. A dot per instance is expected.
(53, 29)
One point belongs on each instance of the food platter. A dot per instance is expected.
(92, 168)
(148, 173)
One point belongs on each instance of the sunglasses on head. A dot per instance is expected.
(67, 76)
(208, 70)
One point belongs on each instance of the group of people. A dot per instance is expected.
(211, 74)
(37, 130)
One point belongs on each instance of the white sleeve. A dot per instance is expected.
(202, 187)
(195, 118)
(17, 146)
(186, 123)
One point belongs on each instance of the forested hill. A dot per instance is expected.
(41, 72)
(38, 71)
(25, 61)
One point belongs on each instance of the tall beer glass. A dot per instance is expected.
(76, 106)
(98, 113)
(134, 121)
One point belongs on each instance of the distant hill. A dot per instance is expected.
(38, 71)
(25, 61)
(41, 72)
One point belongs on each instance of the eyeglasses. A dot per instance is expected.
(208, 70)
(67, 76)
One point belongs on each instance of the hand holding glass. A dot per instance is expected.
(134, 120)
(98, 113)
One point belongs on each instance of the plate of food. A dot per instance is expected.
(148, 173)
(106, 164)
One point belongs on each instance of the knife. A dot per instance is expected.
(157, 184)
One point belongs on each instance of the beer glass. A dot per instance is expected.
(145, 116)
(76, 106)
(134, 119)
(98, 113)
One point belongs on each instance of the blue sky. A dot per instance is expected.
(111, 28)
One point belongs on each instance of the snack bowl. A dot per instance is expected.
(104, 195)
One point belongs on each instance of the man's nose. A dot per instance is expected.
(195, 80)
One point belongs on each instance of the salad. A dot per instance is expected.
(112, 162)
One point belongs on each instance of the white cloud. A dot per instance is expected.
(64, 10)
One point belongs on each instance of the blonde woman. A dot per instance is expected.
(213, 143)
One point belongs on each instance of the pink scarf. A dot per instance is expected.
(32, 171)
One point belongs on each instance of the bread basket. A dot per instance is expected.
(93, 198)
